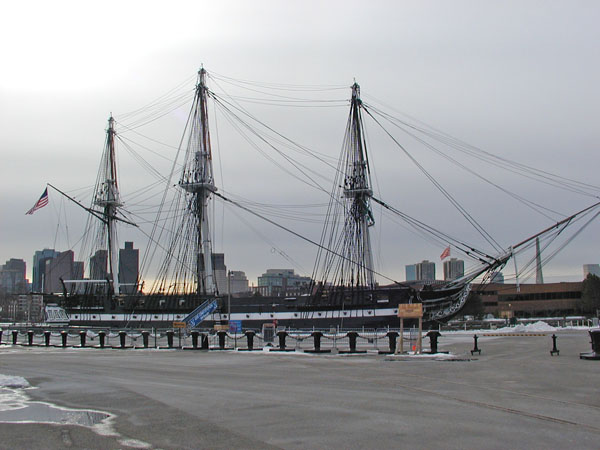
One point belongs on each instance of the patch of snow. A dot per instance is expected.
(538, 326)
(11, 381)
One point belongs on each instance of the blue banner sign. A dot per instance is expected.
(235, 326)
(200, 313)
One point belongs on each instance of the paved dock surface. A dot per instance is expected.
(515, 395)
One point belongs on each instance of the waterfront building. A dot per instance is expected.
(453, 269)
(238, 282)
(63, 267)
(219, 270)
(13, 276)
(282, 282)
(411, 272)
(39, 267)
(425, 271)
(129, 259)
(530, 300)
(497, 277)
(99, 265)
(593, 269)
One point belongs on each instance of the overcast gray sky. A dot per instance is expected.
(518, 79)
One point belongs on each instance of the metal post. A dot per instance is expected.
(229, 299)
(400, 348)
(419, 339)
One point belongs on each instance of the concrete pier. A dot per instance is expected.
(515, 395)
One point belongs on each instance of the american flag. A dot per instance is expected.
(43, 201)
(445, 253)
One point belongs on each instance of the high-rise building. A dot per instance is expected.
(39, 267)
(453, 269)
(219, 270)
(238, 282)
(99, 265)
(78, 270)
(425, 271)
(12, 276)
(281, 281)
(593, 269)
(57, 269)
(129, 259)
(411, 272)
(497, 277)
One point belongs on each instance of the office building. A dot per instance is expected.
(593, 269)
(99, 265)
(219, 271)
(282, 282)
(62, 268)
(129, 259)
(238, 282)
(12, 277)
(497, 277)
(39, 267)
(411, 272)
(453, 269)
(425, 271)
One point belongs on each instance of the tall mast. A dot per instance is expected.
(197, 179)
(357, 191)
(349, 264)
(108, 198)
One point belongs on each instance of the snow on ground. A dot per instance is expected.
(12, 381)
(534, 327)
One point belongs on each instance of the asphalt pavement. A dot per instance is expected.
(513, 395)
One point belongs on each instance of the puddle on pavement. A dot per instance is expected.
(17, 407)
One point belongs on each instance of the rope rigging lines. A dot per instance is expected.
(159, 202)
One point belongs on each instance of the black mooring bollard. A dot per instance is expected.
(15, 336)
(82, 336)
(122, 336)
(101, 337)
(195, 339)
(282, 335)
(433, 340)
(204, 341)
(317, 338)
(595, 341)
(63, 336)
(475, 348)
(30, 338)
(170, 334)
(47, 338)
(250, 338)
(392, 337)
(352, 335)
(221, 334)
(554, 349)
(145, 338)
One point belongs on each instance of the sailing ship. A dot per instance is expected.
(346, 291)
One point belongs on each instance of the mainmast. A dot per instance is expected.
(197, 179)
(358, 193)
(349, 263)
(108, 198)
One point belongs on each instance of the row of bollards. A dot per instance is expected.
(200, 341)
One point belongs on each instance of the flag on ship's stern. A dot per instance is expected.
(43, 201)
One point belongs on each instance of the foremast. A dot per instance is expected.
(108, 198)
(197, 179)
